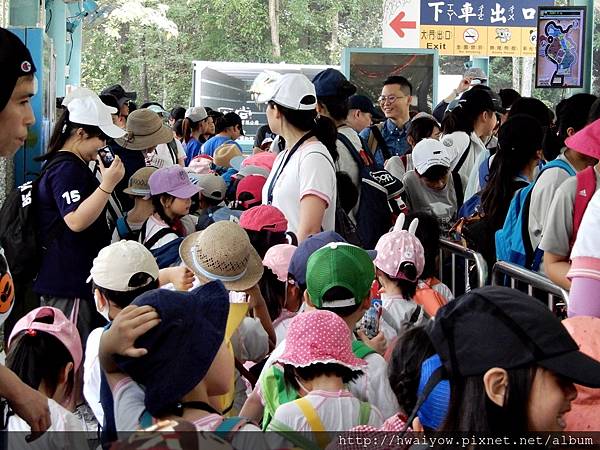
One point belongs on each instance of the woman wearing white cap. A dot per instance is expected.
(71, 206)
(302, 183)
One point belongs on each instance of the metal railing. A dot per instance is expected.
(536, 285)
(474, 268)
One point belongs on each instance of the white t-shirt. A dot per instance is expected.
(373, 386)
(134, 226)
(91, 374)
(309, 171)
(457, 143)
(397, 315)
(129, 407)
(62, 420)
(162, 156)
(338, 411)
(541, 197)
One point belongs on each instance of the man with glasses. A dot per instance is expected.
(389, 138)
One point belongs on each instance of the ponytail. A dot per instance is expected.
(63, 130)
(188, 128)
(323, 128)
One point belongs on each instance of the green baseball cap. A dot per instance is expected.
(339, 265)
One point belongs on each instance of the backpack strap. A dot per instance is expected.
(376, 132)
(245, 373)
(314, 421)
(157, 237)
(361, 350)
(297, 439)
(463, 157)
(172, 146)
(414, 317)
(364, 413)
(458, 189)
(351, 149)
(586, 187)
(123, 228)
(146, 420)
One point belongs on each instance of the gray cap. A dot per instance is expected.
(212, 186)
(476, 72)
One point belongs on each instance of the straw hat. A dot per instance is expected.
(145, 129)
(222, 252)
(225, 153)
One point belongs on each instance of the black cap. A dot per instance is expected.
(502, 327)
(362, 103)
(119, 93)
(482, 99)
(16, 62)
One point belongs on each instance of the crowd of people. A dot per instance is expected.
(181, 284)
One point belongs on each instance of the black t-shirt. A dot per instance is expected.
(67, 263)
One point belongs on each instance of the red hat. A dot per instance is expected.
(264, 217)
(262, 159)
(252, 184)
(586, 141)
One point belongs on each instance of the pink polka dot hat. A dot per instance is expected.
(399, 247)
(319, 336)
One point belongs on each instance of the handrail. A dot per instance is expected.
(456, 249)
(533, 280)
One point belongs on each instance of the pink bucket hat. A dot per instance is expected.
(278, 260)
(262, 159)
(398, 247)
(584, 409)
(319, 336)
(60, 327)
(586, 141)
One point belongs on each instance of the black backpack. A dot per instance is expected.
(374, 216)
(23, 246)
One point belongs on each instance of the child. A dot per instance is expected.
(266, 226)
(121, 272)
(212, 206)
(335, 276)
(318, 362)
(399, 262)
(171, 191)
(249, 191)
(181, 360)
(428, 233)
(273, 286)
(507, 353)
(129, 226)
(44, 350)
(430, 187)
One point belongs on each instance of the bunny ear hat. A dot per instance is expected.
(398, 247)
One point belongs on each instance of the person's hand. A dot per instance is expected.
(378, 343)
(31, 406)
(255, 297)
(128, 326)
(464, 85)
(182, 278)
(111, 175)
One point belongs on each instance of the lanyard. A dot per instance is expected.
(284, 163)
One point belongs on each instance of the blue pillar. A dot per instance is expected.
(73, 57)
(482, 63)
(57, 15)
(588, 51)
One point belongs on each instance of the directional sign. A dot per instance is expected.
(465, 27)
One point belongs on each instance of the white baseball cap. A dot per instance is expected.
(116, 264)
(428, 153)
(291, 89)
(196, 113)
(86, 108)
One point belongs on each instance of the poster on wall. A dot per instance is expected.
(560, 47)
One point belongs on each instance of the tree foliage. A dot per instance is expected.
(157, 41)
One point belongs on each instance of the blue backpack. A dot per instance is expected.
(512, 240)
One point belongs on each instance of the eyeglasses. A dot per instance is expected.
(389, 98)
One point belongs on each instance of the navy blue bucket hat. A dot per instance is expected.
(182, 347)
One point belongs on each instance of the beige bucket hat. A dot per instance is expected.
(138, 184)
(225, 153)
(145, 129)
(223, 252)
